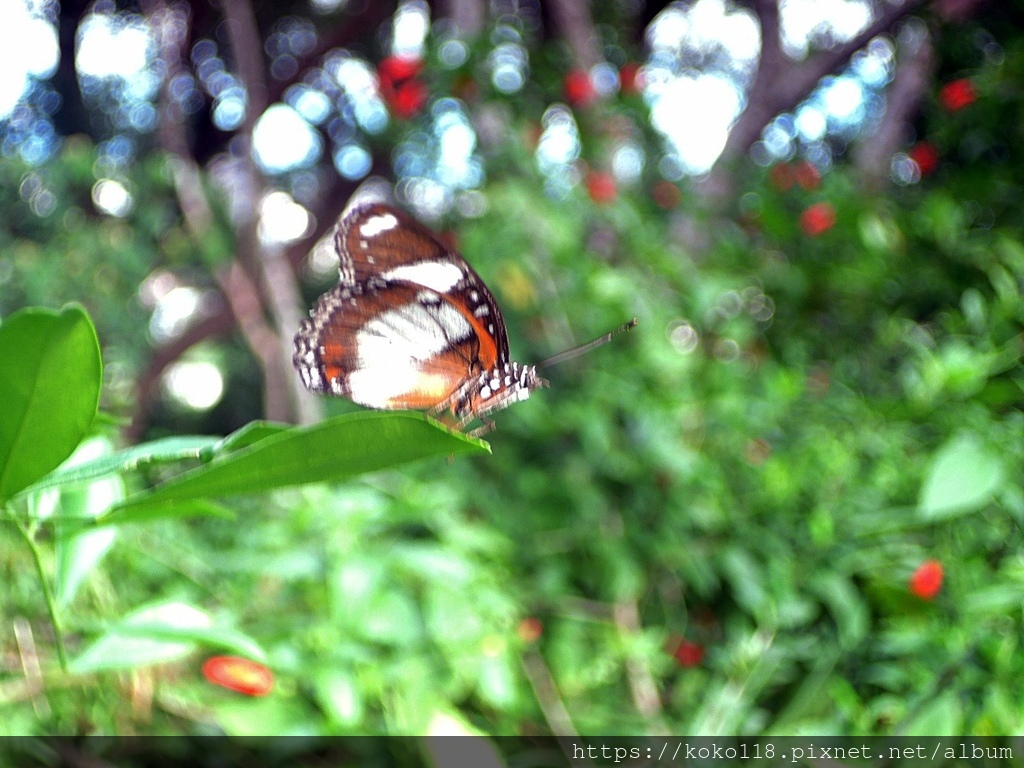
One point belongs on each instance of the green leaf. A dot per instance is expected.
(941, 714)
(144, 511)
(79, 554)
(962, 478)
(163, 451)
(50, 376)
(335, 449)
(251, 433)
(474, 749)
(338, 693)
(846, 605)
(151, 635)
(219, 638)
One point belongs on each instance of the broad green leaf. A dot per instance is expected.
(336, 449)
(241, 716)
(218, 638)
(164, 451)
(50, 375)
(339, 694)
(963, 476)
(151, 635)
(496, 680)
(78, 555)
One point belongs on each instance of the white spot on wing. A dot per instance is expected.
(375, 386)
(441, 276)
(456, 326)
(405, 333)
(394, 345)
(377, 224)
(412, 332)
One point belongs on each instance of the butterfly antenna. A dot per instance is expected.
(569, 354)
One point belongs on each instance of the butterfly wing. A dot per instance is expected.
(378, 244)
(374, 239)
(410, 322)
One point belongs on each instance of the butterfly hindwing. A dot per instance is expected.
(399, 346)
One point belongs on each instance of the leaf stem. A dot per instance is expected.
(51, 604)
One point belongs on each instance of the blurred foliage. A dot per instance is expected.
(796, 425)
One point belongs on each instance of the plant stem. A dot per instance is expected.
(51, 604)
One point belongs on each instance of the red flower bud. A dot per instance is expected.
(926, 581)
(630, 78)
(530, 629)
(818, 219)
(925, 156)
(402, 90)
(807, 175)
(782, 176)
(396, 69)
(238, 674)
(688, 654)
(601, 187)
(579, 90)
(958, 94)
(666, 195)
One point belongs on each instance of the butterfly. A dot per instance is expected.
(410, 325)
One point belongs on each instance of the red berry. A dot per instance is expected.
(601, 187)
(958, 94)
(926, 581)
(579, 90)
(782, 176)
(409, 99)
(238, 674)
(630, 78)
(530, 629)
(807, 175)
(925, 156)
(400, 87)
(688, 654)
(396, 69)
(666, 195)
(818, 219)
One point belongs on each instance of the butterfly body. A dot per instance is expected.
(410, 325)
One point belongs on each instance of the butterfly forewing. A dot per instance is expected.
(379, 244)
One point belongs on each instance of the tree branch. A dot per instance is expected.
(242, 298)
(781, 84)
(281, 385)
(572, 17)
(219, 324)
(544, 688)
(467, 15)
(641, 681)
(247, 46)
(913, 77)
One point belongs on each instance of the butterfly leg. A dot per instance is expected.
(483, 429)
